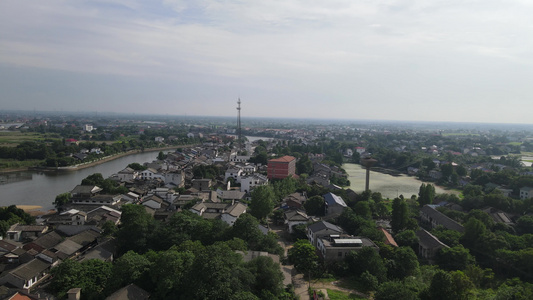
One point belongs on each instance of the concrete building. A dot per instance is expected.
(282, 167)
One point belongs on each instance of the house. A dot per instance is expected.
(321, 229)
(334, 204)
(26, 275)
(228, 213)
(231, 195)
(99, 200)
(159, 139)
(526, 192)
(232, 213)
(127, 174)
(360, 150)
(249, 182)
(150, 173)
(232, 172)
(154, 202)
(336, 247)
(202, 184)
(295, 217)
(428, 244)
(389, 240)
(294, 201)
(103, 214)
(69, 217)
(282, 167)
(499, 216)
(44, 242)
(239, 158)
(430, 215)
(18, 232)
(85, 191)
(175, 178)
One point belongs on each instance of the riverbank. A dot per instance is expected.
(90, 164)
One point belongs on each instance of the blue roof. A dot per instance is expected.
(332, 199)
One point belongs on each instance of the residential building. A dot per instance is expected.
(430, 215)
(335, 205)
(526, 192)
(282, 167)
(321, 229)
(337, 247)
(428, 244)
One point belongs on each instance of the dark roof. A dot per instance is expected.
(85, 189)
(296, 215)
(31, 269)
(441, 219)
(427, 240)
(49, 240)
(319, 226)
(129, 292)
(70, 230)
(7, 245)
(86, 237)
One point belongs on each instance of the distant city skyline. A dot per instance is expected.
(380, 60)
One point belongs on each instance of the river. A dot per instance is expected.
(41, 188)
(389, 186)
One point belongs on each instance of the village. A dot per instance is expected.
(286, 197)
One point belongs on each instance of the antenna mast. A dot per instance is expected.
(239, 130)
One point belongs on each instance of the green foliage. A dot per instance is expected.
(135, 229)
(91, 276)
(399, 216)
(304, 165)
(454, 258)
(137, 167)
(366, 259)
(61, 200)
(407, 238)
(209, 171)
(315, 206)
(394, 290)
(303, 256)
(403, 263)
(262, 203)
(426, 194)
(11, 215)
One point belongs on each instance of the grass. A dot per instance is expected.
(13, 138)
(337, 295)
(15, 164)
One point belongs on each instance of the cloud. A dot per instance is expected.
(348, 53)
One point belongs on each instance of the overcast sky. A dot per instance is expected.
(453, 60)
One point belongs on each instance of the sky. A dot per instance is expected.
(459, 61)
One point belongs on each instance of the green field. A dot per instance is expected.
(13, 138)
(337, 295)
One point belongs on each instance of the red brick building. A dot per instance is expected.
(281, 167)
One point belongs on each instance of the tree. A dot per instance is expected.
(426, 194)
(400, 215)
(135, 229)
(394, 290)
(303, 256)
(61, 200)
(161, 156)
(407, 238)
(366, 259)
(404, 263)
(315, 206)
(130, 268)
(441, 287)
(137, 167)
(362, 208)
(304, 165)
(454, 258)
(262, 203)
(268, 276)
